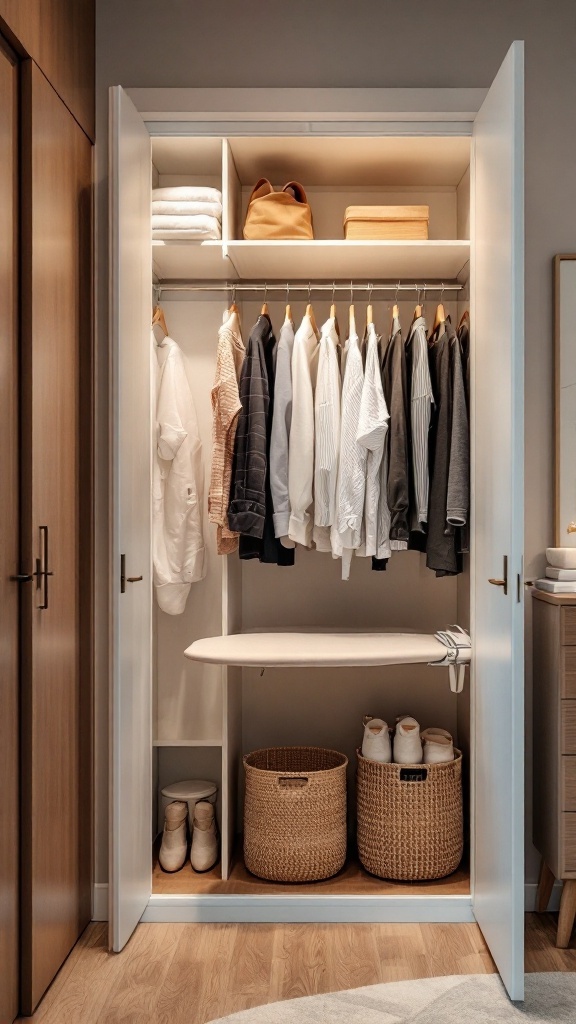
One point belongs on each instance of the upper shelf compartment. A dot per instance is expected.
(336, 173)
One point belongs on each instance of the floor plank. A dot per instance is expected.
(194, 973)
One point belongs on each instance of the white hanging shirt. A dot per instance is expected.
(301, 443)
(346, 534)
(372, 430)
(178, 542)
(326, 435)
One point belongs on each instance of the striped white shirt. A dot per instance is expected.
(372, 430)
(422, 400)
(347, 533)
(301, 442)
(326, 435)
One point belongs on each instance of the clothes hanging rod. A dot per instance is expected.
(311, 287)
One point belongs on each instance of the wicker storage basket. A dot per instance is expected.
(410, 818)
(295, 813)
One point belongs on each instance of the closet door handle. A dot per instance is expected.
(23, 577)
(42, 571)
(124, 579)
(503, 582)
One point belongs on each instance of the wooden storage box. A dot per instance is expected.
(381, 223)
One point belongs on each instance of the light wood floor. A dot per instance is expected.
(352, 880)
(191, 974)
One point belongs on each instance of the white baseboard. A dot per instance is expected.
(530, 889)
(100, 901)
(299, 908)
(211, 908)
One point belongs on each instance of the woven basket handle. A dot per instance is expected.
(292, 781)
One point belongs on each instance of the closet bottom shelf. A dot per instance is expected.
(353, 880)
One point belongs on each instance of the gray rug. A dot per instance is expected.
(462, 999)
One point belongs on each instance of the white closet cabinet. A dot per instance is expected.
(462, 154)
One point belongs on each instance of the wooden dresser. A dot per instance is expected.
(554, 633)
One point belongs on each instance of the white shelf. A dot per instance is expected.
(342, 258)
(185, 259)
(318, 650)
(319, 259)
(187, 743)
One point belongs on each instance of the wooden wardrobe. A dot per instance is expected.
(45, 514)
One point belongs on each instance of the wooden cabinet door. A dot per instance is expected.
(8, 543)
(56, 740)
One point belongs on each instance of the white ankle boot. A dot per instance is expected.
(204, 852)
(438, 746)
(174, 841)
(376, 743)
(407, 742)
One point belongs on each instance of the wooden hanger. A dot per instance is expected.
(417, 312)
(310, 314)
(264, 310)
(369, 309)
(351, 318)
(440, 316)
(465, 316)
(159, 318)
(333, 312)
(288, 306)
(395, 312)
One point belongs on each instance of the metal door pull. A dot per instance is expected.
(134, 579)
(503, 582)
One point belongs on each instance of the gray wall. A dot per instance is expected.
(407, 43)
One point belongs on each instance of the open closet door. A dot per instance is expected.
(131, 700)
(497, 502)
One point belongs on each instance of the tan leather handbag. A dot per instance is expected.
(278, 215)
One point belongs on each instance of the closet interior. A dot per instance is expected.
(206, 716)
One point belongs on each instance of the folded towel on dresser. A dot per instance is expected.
(188, 194)
(186, 208)
(199, 222)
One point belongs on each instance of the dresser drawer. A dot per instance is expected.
(568, 852)
(568, 784)
(568, 672)
(568, 712)
(568, 626)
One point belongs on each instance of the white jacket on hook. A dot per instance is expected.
(178, 541)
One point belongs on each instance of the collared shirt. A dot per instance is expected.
(394, 384)
(178, 481)
(301, 443)
(247, 510)
(421, 402)
(346, 533)
(372, 431)
(326, 435)
(226, 406)
(281, 425)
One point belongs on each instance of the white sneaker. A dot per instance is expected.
(204, 852)
(174, 840)
(376, 744)
(407, 742)
(438, 746)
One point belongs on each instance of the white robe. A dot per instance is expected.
(178, 541)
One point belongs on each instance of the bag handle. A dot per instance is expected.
(298, 190)
(261, 188)
(292, 781)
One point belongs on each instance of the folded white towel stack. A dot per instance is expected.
(186, 211)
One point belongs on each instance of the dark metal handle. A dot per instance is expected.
(42, 571)
(124, 579)
(24, 577)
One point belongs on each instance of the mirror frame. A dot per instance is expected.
(559, 528)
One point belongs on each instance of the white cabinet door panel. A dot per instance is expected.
(131, 698)
(497, 524)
